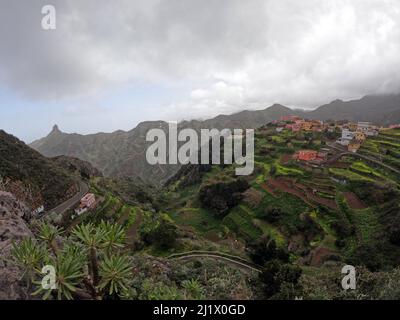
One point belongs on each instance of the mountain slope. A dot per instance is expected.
(31, 177)
(378, 109)
(123, 153)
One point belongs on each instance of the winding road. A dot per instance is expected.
(376, 161)
(230, 259)
(68, 204)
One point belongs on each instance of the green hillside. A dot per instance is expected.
(283, 232)
(31, 176)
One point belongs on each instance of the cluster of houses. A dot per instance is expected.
(297, 124)
(86, 203)
(354, 134)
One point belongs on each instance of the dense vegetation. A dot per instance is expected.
(291, 224)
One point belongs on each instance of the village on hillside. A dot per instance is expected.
(352, 135)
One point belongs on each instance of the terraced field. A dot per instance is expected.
(324, 211)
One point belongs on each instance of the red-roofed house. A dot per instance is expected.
(88, 200)
(307, 155)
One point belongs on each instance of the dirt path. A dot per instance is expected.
(353, 201)
(131, 233)
(269, 189)
(124, 216)
(285, 158)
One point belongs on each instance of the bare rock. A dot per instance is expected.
(13, 228)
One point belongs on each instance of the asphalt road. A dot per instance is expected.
(363, 157)
(70, 203)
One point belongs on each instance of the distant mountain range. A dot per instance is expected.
(122, 153)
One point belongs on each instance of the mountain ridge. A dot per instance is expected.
(122, 153)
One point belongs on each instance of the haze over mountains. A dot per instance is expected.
(123, 153)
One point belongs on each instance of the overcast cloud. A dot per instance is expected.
(226, 55)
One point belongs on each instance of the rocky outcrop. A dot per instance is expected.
(83, 169)
(25, 192)
(13, 228)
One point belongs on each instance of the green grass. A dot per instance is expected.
(365, 169)
(290, 206)
(347, 174)
(286, 171)
(132, 217)
(367, 224)
(241, 222)
(271, 231)
(200, 219)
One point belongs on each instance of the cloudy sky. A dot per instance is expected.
(111, 64)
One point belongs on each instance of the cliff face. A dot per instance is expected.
(13, 228)
(25, 192)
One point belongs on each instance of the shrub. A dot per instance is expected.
(276, 277)
(222, 196)
(163, 236)
(264, 250)
(272, 215)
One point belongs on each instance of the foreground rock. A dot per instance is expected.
(13, 228)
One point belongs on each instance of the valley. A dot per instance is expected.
(309, 207)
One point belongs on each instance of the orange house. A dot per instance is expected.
(307, 126)
(307, 155)
(360, 136)
(354, 146)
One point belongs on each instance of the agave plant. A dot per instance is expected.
(114, 236)
(69, 267)
(29, 256)
(88, 265)
(116, 273)
(93, 240)
(193, 289)
(49, 233)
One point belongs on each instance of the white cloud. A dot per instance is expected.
(247, 53)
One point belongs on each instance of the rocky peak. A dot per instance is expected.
(55, 129)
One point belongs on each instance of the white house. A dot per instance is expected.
(80, 210)
(38, 210)
(347, 134)
(368, 128)
(343, 142)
